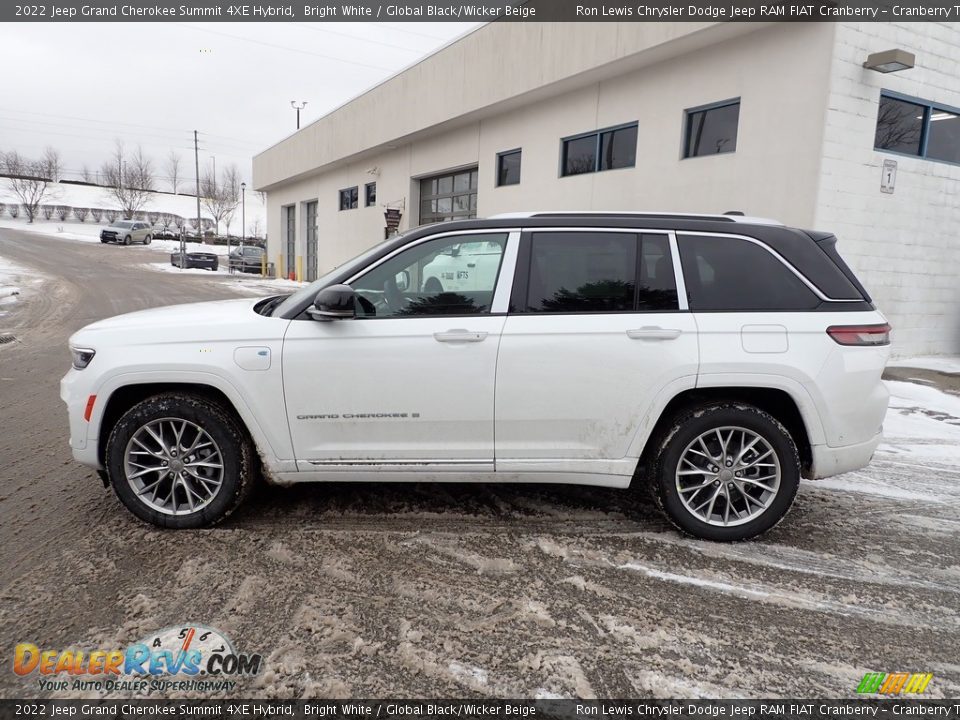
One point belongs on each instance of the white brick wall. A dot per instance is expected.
(905, 247)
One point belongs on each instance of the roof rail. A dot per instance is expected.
(739, 218)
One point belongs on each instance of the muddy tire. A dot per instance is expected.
(725, 472)
(180, 461)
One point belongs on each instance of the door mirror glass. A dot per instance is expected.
(403, 281)
(334, 302)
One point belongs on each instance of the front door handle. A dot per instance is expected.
(653, 332)
(459, 336)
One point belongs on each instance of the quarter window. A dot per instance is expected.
(508, 168)
(575, 272)
(602, 150)
(711, 130)
(732, 274)
(453, 275)
(348, 198)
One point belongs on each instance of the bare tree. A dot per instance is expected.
(172, 167)
(52, 164)
(46, 211)
(85, 174)
(97, 214)
(221, 198)
(81, 214)
(63, 211)
(255, 228)
(28, 182)
(130, 179)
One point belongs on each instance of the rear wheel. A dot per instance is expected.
(432, 286)
(147, 240)
(179, 461)
(726, 472)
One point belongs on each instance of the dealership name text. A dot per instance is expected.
(771, 11)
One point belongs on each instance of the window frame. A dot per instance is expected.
(505, 273)
(354, 203)
(597, 147)
(500, 157)
(519, 300)
(687, 116)
(929, 108)
(367, 202)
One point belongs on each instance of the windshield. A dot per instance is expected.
(317, 285)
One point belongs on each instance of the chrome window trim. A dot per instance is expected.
(803, 278)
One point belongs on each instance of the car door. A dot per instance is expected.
(596, 331)
(410, 380)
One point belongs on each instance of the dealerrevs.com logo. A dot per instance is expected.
(191, 657)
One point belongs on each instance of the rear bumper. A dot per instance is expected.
(828, 461)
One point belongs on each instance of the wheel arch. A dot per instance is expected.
(776, 401)
(126, 396)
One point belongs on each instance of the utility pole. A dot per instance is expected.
(196, 159)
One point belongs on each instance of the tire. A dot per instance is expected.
(103, 241)
(432, 285)
(234, 453)
(147, 240)
(127, 240)
(681, 441)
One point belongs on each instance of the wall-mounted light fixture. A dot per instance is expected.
(890, 61)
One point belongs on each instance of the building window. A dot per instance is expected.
(452, 196)
(508, 168)
(711, 129)
(600, 150)
(915, 127)
(370, 194)
(348, 198)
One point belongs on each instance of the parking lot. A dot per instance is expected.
(382, 590)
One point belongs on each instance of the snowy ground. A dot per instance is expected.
(16, 283)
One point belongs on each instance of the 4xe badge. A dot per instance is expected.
(173, 658)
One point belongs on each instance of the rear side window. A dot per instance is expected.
(732, 274)
(576, 272)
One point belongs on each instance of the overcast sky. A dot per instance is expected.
(77, 87)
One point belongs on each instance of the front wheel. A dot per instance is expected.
(726, 472)
(127, 240)
(179, 461)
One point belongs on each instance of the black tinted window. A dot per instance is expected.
(656, 286)
(899, 126)
(508, 168)
(580, 155)
(732, 274)
(712, 130)
(618, 148)
(582, 272)
(944, 140)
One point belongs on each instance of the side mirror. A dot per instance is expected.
(336, 302)
(403, 281)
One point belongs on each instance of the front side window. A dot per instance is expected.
(453, 275)
(576, 272)
(602, 150)
(348, 198)
(734, 275)
(508, 168)
(711, 130)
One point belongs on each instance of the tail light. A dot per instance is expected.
(860, 334)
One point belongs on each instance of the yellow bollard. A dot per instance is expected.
(299, 268)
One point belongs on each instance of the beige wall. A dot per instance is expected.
(779, 72)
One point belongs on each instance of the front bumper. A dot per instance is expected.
(828, 461)
(74, 391)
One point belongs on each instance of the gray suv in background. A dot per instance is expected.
(126, 232)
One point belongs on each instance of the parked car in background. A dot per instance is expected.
(248, 258)
(201, 260)
(126, 232)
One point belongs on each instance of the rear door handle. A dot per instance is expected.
(653, 333)
(459, 336)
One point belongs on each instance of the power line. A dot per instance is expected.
(286, 48)
(308, 26)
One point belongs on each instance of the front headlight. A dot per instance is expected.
(82, 357)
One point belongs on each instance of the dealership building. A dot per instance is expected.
(813, 124)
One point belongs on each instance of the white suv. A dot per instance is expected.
(711, 359)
